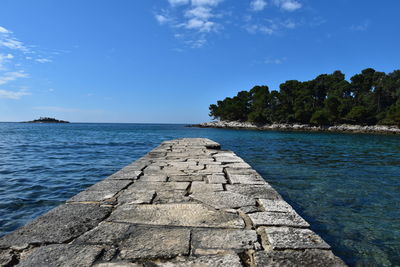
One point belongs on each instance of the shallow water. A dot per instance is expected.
(346, 185)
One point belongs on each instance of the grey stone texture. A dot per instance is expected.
(185, 203)
(62, 256)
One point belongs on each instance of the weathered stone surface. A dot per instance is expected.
(118, 264)
(185, 178)
(125, 175)
(291, 238)
(254, 191)
(223, 239)
(245, 179)
(195, 215)
(240, 165)
(104, 233)
(7, 257)
(154, 178)
(146, 242)
(57, 226)
(136, 196)
(275, 205)
(92, 196)
(62, 255)
(277, 219)
(164, 197)
(110, 185)
(160, 186)
(216, 179)
(198, 187)
(223, 200)
(225, 260)
(293, 258)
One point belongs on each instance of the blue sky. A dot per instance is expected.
(168, 60)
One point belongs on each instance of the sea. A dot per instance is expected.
(347, 186)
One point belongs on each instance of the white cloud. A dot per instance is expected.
(271, 26)
(43, 60)
(258, 5)
(288, 5)
(162, 19)
(12, 94)
(4, 30)
(12, 76)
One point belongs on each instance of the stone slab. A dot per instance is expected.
(136, 196)
(62, 256)
(92, 196)
(185, 178)
(275, 205)
(154, 178)
(303, 258)
(164, 197)
(225, 260)
(160, 186)
(125, 175)
(223, 239)
(184, 214)
(277, 219)
(279, 238)
(105, 233)
(60, 225)
(216, 179)
(7, 257)
(223, 200)
(245, 179)
(146, 242)
(198, 187)
(254, 191)
(110, 185)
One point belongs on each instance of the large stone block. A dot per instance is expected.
(294, 258)
(198, 187)
(62, 256)
(224, 260)
(254, 191)
(57, 226)
(291, 238)
(105, 233)
(275, 205)
(136, 196)
(224, 199)
(146, 242)
(277, 219)
(184, 214)
(222, 239)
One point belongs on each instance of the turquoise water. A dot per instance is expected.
(347, 186)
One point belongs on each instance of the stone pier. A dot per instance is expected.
(185, 203)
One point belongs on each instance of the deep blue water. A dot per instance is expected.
(346, 185)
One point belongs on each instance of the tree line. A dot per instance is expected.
(369, 98)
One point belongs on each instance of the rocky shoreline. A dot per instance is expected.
(346, 128)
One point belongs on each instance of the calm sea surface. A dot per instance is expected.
(346, 185)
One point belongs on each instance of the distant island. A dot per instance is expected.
(46, 120)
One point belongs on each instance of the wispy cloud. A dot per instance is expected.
(12, 76)
(193, 21)
(14, 56)
(270, 26)
(288, 5)
(362, 27)
(258, 5)
(13, 94)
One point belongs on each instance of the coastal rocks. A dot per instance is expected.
(303, 127)
(186, 203)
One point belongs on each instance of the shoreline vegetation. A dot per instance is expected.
(368, 102)
(342, 128)
(46, 120)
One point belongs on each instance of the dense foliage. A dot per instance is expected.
(369, 98)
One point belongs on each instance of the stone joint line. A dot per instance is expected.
(185, 203)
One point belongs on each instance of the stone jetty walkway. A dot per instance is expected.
(186, 203)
